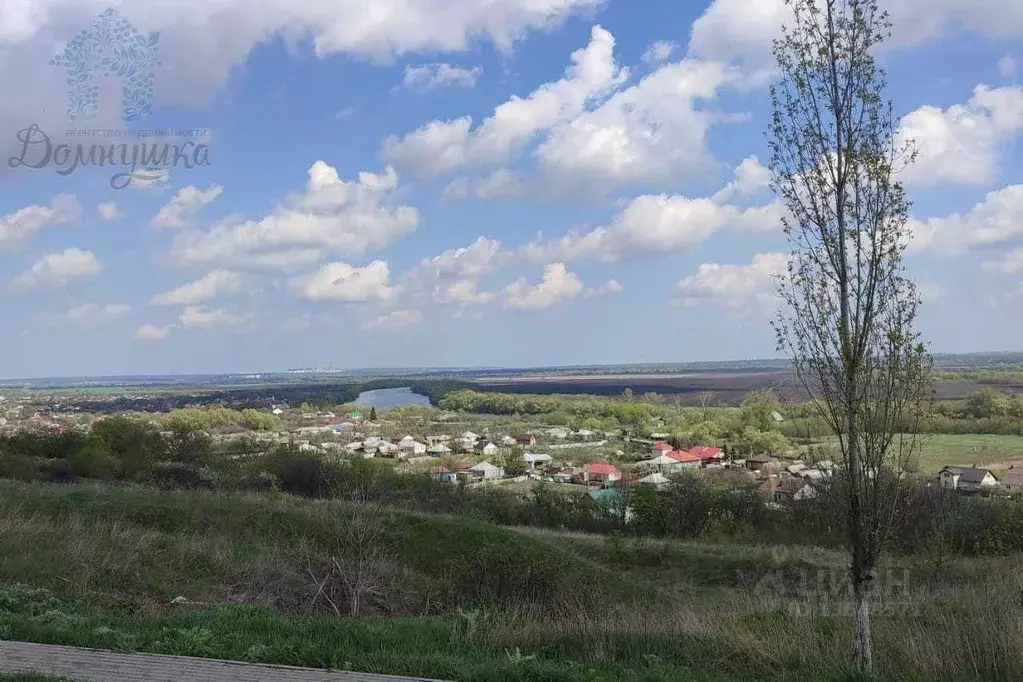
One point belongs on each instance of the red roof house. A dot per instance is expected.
(601, 472)
(705, 452)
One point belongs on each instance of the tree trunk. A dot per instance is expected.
(863, 658)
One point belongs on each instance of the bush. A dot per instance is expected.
(180, 476)
(306, 476)
(58, 471)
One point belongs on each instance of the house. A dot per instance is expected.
(1012, 481)
(433, 440)
(611, 501)
(409, 447)
(532, 460)
(758, 462)
(438, 450)
(795, 469)
(486, 471)
(685, 459)
(491, 449)
(585, 434)
(278, 411)
(559, 432)
(470, 438)
(601, 472)
(443, 475)
(387, 449)
(656, 480)
(707, 453)
(779, 490)
(967, 479)
(660, 448)
(508, 442)
(525, 441)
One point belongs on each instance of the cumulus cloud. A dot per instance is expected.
(57, 270)
(344, 282)
(995, 221)
(148, 332)
(556, 286)
(444, 146)
(500, 184)
(398, 320)
(196, 317)
(608, 288)
(453, 276)
(742, 31)
(654, 224)
(108, 211)
(17, 227)
(751, 177)
(331, 216)
(203, 42)
(431, 76)
(183, 207)
(737, 287)
(652, 132)
(1009, 264)
(89, 315)
(212, 285)
(963, 144)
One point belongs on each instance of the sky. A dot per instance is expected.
(476, 183)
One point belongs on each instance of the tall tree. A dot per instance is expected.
(848, 322)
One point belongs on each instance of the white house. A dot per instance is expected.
(278, 410)
(388, 449)
(533, 460)
(491, 449)
(508, 442)
(411, 448)
(486, 471)
(966, 479)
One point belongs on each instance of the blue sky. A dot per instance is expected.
(492, 182)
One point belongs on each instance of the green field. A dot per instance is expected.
(456, 599)
(985, 450)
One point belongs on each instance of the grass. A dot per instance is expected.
(32, 677)
(96, 566)
(940, 450)
(985, 450)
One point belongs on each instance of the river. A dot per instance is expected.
(386, 398)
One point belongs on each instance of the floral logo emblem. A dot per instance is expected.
(110, 47)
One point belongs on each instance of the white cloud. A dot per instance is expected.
(183, 206)
(17, 227)
(501, 184)
(89, 315)
(203, 42)
(736, 287)
(1008, 67)
(742, 31)
(654, 225)
(430, 76)
(331, 217)
(444, 146)
(1009, 264)
(750, 178)
(398, 320)
(659, 52)
(608, 288)
(108, 211)
(963, 144)
(148, 332)
(996, 221)
(652, 132)
(343, 282)
(453, 276)
(196, 317)
(556, 286)
(215, 283)
(56, 270)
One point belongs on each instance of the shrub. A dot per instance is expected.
(182, 476)
(58, 471)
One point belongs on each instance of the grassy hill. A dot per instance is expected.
(465, 600)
